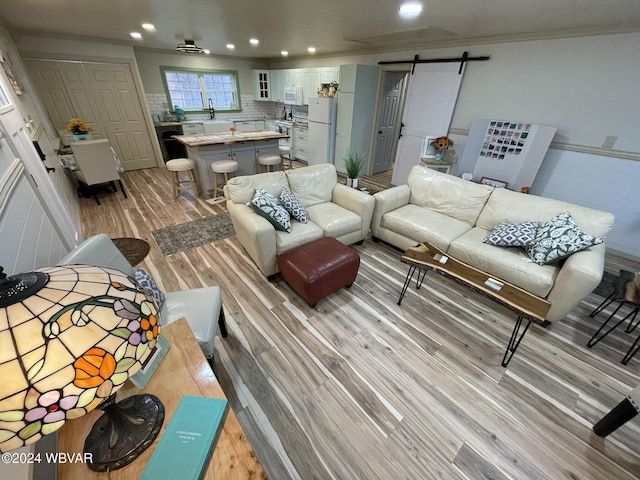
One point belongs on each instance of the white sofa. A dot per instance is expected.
(333, 209)
(456, 215)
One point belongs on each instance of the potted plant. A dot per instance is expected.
(353, 163)
(79, 129)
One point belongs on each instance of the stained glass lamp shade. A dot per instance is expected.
(70, 337)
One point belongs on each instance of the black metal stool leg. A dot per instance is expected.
(631, 326)
(595, 340)
(604, 304)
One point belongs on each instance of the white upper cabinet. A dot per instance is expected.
(261, 85)
(329, 74)
(277, 85)
(311, 82)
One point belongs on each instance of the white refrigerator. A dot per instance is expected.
(322, 130)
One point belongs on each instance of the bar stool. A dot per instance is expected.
(285, 154)
(224, 167)
(178, 165)
(630, 297)
(268, 160)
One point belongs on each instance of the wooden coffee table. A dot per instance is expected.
(528, 307)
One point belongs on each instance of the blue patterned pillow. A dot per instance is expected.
(146, 281)
(268, 206)
(293, 205)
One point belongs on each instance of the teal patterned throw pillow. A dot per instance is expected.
(270, 208)
(293, 205)
(558, 238)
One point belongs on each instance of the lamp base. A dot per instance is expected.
(125, 430)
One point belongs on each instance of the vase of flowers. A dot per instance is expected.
(441, 144)
(79, 129)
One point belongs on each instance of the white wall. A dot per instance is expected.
(583, 86)
(586, 87)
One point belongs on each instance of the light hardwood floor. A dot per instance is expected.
(361, 388)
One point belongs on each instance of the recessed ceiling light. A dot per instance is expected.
(148, 26)
(207, 52)
(410, 9)
(254, 41)
(312, 49)
(230, 46)
(136, 35)
(284, 53)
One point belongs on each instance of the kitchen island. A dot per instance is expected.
(242, 147)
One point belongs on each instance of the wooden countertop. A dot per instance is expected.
(183, 371)
(227, 138)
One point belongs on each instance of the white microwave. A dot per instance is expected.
(293, 95)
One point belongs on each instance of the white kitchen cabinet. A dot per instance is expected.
(277, 85)
(311, 82)
(330, 74)
(248, 125)
(203, 157)
(292, 76)
(356, 109)
(193, 128)
(244, 153)
(301, 142)
(261, 85)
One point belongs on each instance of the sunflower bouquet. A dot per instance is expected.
(442, 143)
(78, 126)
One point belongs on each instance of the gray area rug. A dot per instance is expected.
(178, 238)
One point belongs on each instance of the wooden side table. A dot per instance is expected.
(440, 165)
(183, 371)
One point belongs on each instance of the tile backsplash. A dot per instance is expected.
(250, 109)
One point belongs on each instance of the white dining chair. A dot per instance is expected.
(96, 165)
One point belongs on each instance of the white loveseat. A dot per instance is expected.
(333, 209)
(456, 215)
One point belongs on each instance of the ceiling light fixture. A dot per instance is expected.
(254, 41)
(230, 46)
(136, 35)
(410, 9)
(149, 27)
(311, 49)
(206, 52)
(284, 53)
(189, 46)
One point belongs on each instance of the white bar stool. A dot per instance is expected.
(285, 154)
(268, 160)
(225, 167)
(178, 165)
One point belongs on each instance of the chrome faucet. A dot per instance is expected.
(212, 111)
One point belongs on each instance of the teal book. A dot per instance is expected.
(186, 445)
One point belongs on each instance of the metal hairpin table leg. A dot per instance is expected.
(407, 280)
(515, 340)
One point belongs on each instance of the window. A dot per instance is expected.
(192, 89)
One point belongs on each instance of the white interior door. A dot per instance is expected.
(431, 98)
(388, 120)
(122, 113)
(57, 226)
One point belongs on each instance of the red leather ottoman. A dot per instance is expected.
(319, 268)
